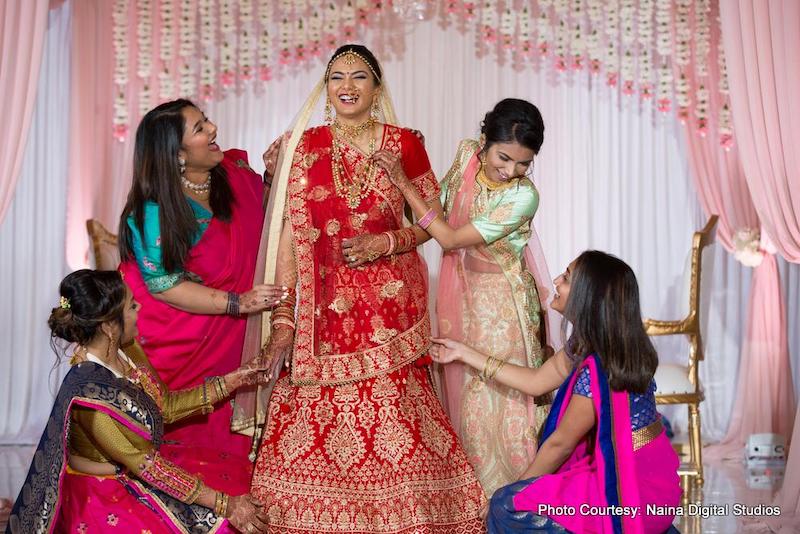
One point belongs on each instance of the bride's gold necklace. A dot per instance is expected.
(351, 133)
(356, 186)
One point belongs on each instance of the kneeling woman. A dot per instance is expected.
(603, 444)
(98, 464)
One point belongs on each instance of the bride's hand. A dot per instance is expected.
(393, 167)
(363, 249)
(279, 347)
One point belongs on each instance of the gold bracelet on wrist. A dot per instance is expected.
(223, 388)
(221, 504)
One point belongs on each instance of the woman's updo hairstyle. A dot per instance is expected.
(362, 52)
(514, 120)
(88, 299)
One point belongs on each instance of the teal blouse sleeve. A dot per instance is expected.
(146, 247)
(506, 212)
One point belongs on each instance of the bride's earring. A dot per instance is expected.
(328, 112)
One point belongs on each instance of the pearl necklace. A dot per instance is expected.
(200, 189)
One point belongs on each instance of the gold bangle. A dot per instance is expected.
(218, 503)
(499, 364)
(491, 367)
(223, 389)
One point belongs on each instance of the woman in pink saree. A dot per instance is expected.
(189, 238)
(604, 464)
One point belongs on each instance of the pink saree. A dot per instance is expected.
(185, 348)
(612, 482)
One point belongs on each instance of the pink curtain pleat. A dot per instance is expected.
(90, 150)
(21, 44)
(762, 48)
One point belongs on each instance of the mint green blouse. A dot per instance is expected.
(502, 213)
(147, 247)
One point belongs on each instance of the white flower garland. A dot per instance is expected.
(627, 13)
(330, 25)
(247, 41)
(208, 72)
(577, 43)
(299, 31)
(612, 39)
(166, 81)
(187, 49)
(544, 25)
(348, 21)
(265, 18)
(119, 17)
(645, 41)
(664, 49)
(227, 52)
(562, 32)
(144, 39)
(702, 48)
(525, 46)
(683, 54)
(507, 27)
(594, 51)
(315, 34)
(489, 21)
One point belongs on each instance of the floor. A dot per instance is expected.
(727, 483)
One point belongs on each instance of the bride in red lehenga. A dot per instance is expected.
(355, 438)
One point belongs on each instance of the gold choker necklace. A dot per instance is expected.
(352, 133)
(489, 184)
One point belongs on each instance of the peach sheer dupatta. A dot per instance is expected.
(250, 405)
(452, 295)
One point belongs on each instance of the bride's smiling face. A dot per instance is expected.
(351, 88)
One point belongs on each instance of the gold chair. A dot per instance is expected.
(678, 383)
(104, 246)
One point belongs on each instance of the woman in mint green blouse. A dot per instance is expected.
(488, 297)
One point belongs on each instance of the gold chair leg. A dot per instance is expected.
(695, 442)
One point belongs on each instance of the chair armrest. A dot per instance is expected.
(654, 327)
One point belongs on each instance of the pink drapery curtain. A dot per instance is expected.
(21, 43)
(762, 47)
(91, 143)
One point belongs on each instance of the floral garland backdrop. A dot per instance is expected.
(207, 48)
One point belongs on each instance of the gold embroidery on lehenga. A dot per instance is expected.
(340, 305)
(297, 439)
(357, 220)
(309, 159)
(382, 335)
(333, 227)
(391, 289)
(319, 193)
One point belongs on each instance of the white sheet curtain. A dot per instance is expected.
(32, 244)
(612, 175)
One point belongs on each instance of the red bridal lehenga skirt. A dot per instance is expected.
(376, 455)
